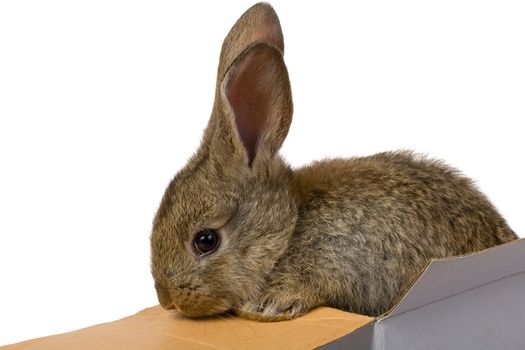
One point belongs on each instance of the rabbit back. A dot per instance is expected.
(369, 225)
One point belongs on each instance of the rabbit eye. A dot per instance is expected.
(206, 241)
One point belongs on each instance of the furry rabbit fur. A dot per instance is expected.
(348, 233)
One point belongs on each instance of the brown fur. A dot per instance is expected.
(347, 233)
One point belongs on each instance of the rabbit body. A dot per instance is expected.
(239, 230)
(366, 228)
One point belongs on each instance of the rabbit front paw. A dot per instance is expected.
(275, 306)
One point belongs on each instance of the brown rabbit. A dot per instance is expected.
(239, 230)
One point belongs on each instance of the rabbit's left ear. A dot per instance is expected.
(253, 101)
(257, 89)
(258, 24)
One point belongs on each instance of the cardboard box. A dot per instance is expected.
(476, 301)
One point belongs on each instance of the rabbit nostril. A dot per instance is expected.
(164, 297)
(169, 306)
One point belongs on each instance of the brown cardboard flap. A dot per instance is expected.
(446, 277)
(155, 328)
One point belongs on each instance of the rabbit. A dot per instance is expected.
(239, 231)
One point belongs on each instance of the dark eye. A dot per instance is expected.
(206, 241)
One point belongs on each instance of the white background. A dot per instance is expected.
(101, 102)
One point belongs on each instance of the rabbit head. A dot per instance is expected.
(227, 216)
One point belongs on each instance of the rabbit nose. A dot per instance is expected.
(164, 297)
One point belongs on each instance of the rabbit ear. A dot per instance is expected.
(253, 103)
(257, 90)
(258, 24)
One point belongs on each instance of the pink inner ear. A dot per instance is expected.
(249, 92)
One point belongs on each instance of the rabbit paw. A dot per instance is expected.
(275, 307)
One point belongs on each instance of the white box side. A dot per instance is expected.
(489, 317)
(445, 277)
(360, 339)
